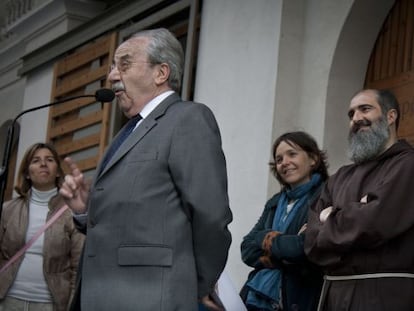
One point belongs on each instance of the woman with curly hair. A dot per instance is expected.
(283, 278)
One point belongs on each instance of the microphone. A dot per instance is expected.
(104, 95)
(101, 95)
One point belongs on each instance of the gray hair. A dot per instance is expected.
(165, 48)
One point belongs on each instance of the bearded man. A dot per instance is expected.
(361, 229)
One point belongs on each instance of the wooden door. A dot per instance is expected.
(391, 65)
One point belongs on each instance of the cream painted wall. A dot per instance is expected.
(310, 32)
(324, 20)
(236, 77)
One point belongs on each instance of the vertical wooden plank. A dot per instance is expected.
(409, 37)
(394, 21)
(401, 29)
(411, 24)
(190, 51)
(377, 58)
(103, 140)
(370, 71)
(52, 96)
(385, 49)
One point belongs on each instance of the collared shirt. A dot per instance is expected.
(152, 104)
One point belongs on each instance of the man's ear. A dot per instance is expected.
(162, 74)
(392, 116)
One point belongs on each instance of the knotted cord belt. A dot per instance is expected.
(359, 277)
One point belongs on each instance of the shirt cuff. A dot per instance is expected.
(80, 218)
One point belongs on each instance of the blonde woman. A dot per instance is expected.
(44, 277)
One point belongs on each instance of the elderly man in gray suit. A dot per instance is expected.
(157, 212)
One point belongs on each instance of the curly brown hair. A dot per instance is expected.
(308, 144)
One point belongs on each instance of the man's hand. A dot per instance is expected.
(303, 229)
(364, 199)
(323, 216)
(74, 190)
(209, 303)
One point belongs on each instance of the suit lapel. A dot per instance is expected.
(144, 127)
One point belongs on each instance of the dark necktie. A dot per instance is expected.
(125, 131)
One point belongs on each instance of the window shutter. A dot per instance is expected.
(79, 128)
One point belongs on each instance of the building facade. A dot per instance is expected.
(264, 67)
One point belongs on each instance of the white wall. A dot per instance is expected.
(324, 20)
(310, 34)
(236, 77)
(34, 124)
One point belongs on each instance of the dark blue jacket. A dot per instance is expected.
(301, 280)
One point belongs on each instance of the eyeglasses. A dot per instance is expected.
(124, 65)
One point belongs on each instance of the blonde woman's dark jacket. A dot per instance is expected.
(61, 250)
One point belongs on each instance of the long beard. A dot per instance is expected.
(368, 143)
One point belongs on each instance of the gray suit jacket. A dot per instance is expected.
(157, 236)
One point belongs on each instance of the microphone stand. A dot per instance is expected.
(9, 143)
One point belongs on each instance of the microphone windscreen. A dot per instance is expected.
(104, 95)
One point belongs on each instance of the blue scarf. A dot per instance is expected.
(265, 286)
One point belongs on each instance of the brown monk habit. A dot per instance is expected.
(364, 238)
